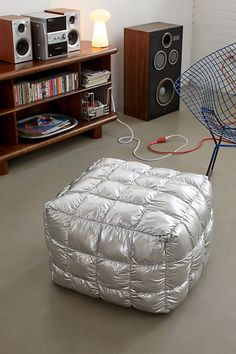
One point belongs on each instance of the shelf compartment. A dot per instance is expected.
(29, 90)
(8, 151)
(8, 129)
(97, 64)
(4, 111)
(6, 95)
(8, 110)
(96, 103)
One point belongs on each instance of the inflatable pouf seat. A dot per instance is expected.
(130, 234)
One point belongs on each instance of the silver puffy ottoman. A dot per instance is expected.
(130, 234)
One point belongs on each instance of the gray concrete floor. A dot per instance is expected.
(38, 317)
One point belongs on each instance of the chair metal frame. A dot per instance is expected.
(208, 88)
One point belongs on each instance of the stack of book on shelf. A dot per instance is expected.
(94, 77)
(33, 90)
(44, 125)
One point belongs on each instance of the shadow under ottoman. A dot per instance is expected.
(130, 234)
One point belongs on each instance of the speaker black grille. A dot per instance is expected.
(166, 40)
(165, 92)
(73, 37)
(21, 27)
(72, 19)
(22, 47)
(173, 56)
(160, 60)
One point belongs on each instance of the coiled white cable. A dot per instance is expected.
(128, 139)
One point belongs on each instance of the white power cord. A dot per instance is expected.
(128, 139)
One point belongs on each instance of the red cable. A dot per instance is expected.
(163, 139)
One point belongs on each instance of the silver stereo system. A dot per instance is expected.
(15, 39)
(73, 26)
(49, 35)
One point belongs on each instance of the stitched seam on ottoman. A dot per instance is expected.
(47, 234)
(139, 264)
(139, 292)
(190, 269)
(165, 293)
(67, 251)
(107, 287)
(171, 194)
(96, 178)
(106, 223)
(97, 248)
(209, 204)
(96, 263)
(96, 254)
(148, 292)
(200, 193)
(189, 205)
(167, 179)
(130, 268)
(89, 192)
(106, 178)
(130, 228)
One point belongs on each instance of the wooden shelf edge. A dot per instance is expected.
(8, 152)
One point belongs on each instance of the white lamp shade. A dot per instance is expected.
(100, 17)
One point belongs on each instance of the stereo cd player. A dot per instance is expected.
(49, 34)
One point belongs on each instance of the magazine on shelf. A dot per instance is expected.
(94, 77)
(43, 125)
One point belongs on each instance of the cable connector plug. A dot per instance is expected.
(161, 139)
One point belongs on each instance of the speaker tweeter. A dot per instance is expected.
(173, 56)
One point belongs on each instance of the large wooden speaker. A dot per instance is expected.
(152, 63)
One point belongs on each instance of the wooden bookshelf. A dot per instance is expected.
(69, 103)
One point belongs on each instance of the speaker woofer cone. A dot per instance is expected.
(22, 47)
(166, 40)
(173, 56)
(165, 92)
(160, 60)
(73, 37)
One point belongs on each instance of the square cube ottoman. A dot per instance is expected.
(130, 234)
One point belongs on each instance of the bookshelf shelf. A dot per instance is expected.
(68, 103)
(9, 151)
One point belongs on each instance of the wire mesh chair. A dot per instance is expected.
(208, 88)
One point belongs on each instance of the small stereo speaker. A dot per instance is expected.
(73, 26)
(15, 39)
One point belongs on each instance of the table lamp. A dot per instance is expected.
(100, 17)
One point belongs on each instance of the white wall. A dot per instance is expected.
(124, 13)
(214, 26)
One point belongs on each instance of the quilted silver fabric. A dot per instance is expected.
(130, 234)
